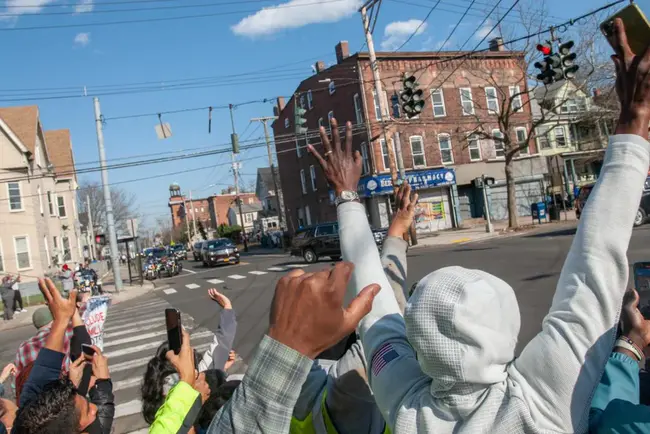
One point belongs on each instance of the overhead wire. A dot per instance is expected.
(417, 29)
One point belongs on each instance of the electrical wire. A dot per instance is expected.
(415, 32)
(458, 24)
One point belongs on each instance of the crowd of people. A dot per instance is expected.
(351, 349)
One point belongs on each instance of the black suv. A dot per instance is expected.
(323, 240)
(219, 251)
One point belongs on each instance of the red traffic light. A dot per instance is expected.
(100, 239)
(545, 49)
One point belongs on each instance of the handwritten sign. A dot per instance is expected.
(95, 316)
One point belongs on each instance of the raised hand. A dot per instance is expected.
(405, 211)
(8, 370)
(306, 313)
(76, 371)
(100, 365)
(633, 324)
(62, 309)
(342, 167)
(220, 298)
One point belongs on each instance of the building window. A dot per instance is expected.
(438, 103)
(516, 103)
(542, 138)
(498, 144)
(312, 175)
(384, 153)
(466, 101)
(67, 253)
(310, 100)
(330, 116)
(574, 105)
(302, 101)
(40, 198)
(357, 108)
(15, 201)
(375, 101)
(201, 209)
(332, 87)
(300, 143)
(248, 218)
(2, 263)
(61, 205)
(492, 100)
(446, 155)
(364, 159)
(560, 137)
(522, 140)
(55, 242)
(474, 146)
(308, 215)
(394, 102)
(23, 259)
(286, 123)
(303, 182)
(47, 252)
(417, 151)
(50, 205)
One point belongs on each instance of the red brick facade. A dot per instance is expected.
(211, 211)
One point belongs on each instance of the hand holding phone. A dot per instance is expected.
(637, 28)
(88, 350)
(174, 329)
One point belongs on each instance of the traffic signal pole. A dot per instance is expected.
(235, 148)
(91, 230)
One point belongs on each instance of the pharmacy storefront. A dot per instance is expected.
(436, 208)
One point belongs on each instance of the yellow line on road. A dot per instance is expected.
(462, 240)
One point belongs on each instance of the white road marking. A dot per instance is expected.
(138, 337)
(257, 273)
(189, 271)
(125, 384)
(146, 312)
(192, 286)
(142, 328)
(297, 265)
(128, 408)
(237, 276)
(112, 328)
(215, 281)
(151, 345)
(277, 269)
(169, 291)
(140, 431)
(132, 364)
(158, 302)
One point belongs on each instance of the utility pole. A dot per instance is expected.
(488, 221)
(91, 229)
(193, 214)
(108, 203)
(264, 121)
(235, 143)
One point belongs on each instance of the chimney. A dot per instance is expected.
(342, 51)
(280, 106)
(496, 44)
(319, 66)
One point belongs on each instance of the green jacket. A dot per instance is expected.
(178, 414)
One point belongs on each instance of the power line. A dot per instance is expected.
(415, 32)
(458, 24)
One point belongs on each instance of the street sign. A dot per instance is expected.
(163, 131)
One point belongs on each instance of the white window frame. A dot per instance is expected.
(377, 104)
(357, 108)
(515, 90)
(298, 149)
(287, 123)
(20, 195)
(310, 100)
(492, 99)
(470, 147)
(50, 204)
(451, 152)
(63, 239)
(543, 137)
(58, 207)
(564, 136)
(312, 175)
(303, 181)
(526, 150)
(47, 251)
(364, 159)
(330, 116)
(387, 154)
(2, 259)
(496, 132)
(441, 104)
(422, 154)
(462, 99)
(55, 242)
(331, 87)
(29, 253)
(40, 198)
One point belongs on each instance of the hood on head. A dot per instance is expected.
(463, 325)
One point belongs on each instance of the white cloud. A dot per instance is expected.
(82, 39)
(484, 31)
(294, 14)
(397, 32)
(84, 6)
(20, 7)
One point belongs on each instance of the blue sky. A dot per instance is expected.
(230, 38)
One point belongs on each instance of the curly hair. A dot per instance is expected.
(217, 399)
(50, 412)
(152, 386)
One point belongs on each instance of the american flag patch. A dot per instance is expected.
(383, 357)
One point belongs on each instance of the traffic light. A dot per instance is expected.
(298, 118)
(550, 67)
(100, 239)
(569, 68)
(412, 99)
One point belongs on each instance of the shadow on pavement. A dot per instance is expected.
(540, 276)
(473, 249)
(558, 233)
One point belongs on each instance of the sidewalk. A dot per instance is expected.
(478, 233)
(128, 292)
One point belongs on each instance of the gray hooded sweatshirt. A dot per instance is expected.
(463, 325)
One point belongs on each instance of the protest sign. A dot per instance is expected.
(95, 316)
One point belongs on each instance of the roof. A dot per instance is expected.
(247, 207)
(23, 121)
(59, 148)
(265, 174)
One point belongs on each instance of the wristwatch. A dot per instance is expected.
(346, 196)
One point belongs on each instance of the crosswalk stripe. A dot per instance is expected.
(277, 269)
(148, 326)
(139, 337)
(139, 312)
(192, 286)
(125, 384)
(237, 276)
(149, 345)
(215, 281)
(128, 408)
(142, 361)
(169, 291)
(257, 273)
(140, 431)
(111, 328)
(132, 310)
(156, 302)
(297, 265)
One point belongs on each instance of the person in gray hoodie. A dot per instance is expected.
(448, 365)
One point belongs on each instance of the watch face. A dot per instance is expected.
(347, 195)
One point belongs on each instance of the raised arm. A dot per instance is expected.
(217, 355)
(560, 368)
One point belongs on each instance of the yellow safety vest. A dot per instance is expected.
(306, 426)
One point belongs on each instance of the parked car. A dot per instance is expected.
(196, 250)
(219, 251)
(641, 214)
(320, 240)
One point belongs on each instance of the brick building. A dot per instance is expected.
(441, 155)
(211, 211)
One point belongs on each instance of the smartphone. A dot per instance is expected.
(174, 335)
(642, 285)
(637, 27)
(88, 350)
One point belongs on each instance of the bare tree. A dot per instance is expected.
(124, 204)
